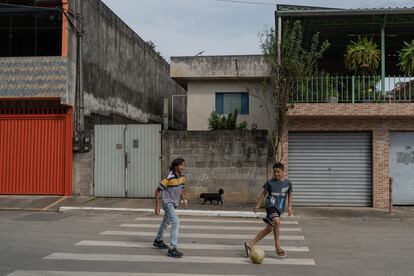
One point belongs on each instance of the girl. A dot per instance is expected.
(171, 190)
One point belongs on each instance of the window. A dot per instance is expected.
(26, 31)
(228, 102)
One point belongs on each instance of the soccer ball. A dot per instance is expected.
(257, 255)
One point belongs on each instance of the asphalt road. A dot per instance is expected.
(106, 243)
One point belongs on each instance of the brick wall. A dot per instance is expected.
(360, 109)
(380, 128)
(233, 160)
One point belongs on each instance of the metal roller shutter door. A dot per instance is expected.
(331, 168)
(36, 151)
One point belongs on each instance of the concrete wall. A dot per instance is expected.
(202, 97)
(246, 66)
(235, 161)
(121, 73)
(123, 79)
(82, 174)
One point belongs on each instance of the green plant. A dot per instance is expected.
(328, 86)
(214, 122)
(362, 55)
(406, 58)
(242, 126)
(287, 59)
(332, 93)
(223, 122)
(365, 88)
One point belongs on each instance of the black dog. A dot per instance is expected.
(213, 196)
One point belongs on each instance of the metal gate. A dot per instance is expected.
(331, 168)
(36, 151)
(127, 160)
(402, 167)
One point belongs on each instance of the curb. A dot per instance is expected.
(238, 214)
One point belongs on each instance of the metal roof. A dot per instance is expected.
(341, 26)
(33, 77)
(303, 11)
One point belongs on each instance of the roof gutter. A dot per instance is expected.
(310, 13)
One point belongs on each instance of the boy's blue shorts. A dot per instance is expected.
(271, 212)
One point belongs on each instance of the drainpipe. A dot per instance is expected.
(383, 56)
(390, 196)
(165, 114)
(79, 72)
(172, 108)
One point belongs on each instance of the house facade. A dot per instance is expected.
(222, 84)
(354, 151)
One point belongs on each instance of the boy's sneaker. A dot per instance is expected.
(173, 252)
(160, 244)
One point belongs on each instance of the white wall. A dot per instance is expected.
(201, 102)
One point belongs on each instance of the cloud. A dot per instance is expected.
(186, 27)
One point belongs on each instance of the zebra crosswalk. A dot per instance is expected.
(204, 241)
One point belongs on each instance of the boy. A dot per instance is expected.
(171, 190)
(275, 191)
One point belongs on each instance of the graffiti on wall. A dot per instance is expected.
(405, 157)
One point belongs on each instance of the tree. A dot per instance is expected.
(362, 55)
(406, 58)
(288, 60)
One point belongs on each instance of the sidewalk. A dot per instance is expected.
(147, 205)
(91, 204)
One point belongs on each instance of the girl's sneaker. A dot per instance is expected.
(173, 252)
(160, 244)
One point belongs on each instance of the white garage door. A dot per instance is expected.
(331, 168)
(402, 167)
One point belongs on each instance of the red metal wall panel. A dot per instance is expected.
(34, 153)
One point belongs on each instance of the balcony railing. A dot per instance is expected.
(353, 89)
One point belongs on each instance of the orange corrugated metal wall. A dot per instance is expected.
(36, 154)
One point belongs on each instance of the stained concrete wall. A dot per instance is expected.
(123, 79)
(235, 161)
(201, 67)
(121, 74)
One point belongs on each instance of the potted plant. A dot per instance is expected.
(406, 62)
(328, 86)
(406, 58)
(362, 56)
(332, 96)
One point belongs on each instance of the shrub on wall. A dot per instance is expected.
(223, 122)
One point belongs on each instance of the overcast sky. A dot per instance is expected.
(186, 27)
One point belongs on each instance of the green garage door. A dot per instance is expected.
(331, 168)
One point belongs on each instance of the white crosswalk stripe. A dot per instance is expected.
(208, 227)
(211, 220)
(157, 259)
(190, 246)
(92, 273)
(204, 241)
(199, 236)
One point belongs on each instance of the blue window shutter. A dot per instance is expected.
(244, 103)
(219, 103)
